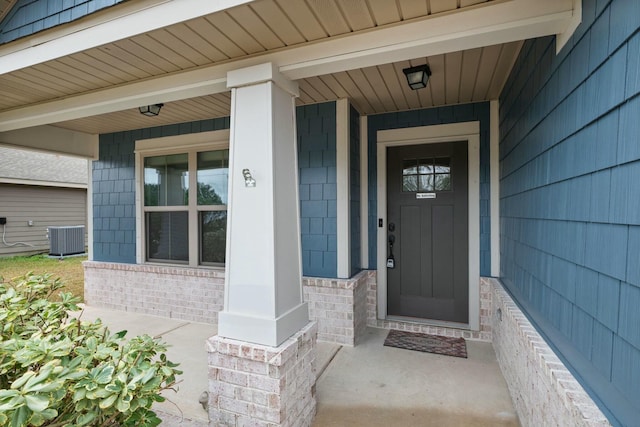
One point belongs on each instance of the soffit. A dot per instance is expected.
(252, 30)
(459, 77)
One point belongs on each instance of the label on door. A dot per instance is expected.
(425, 195)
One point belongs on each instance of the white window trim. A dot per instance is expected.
(189, 143)
(467, 132)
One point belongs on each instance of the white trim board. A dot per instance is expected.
(343, 189)
(494, 180)
(468, 132)
(364, 193)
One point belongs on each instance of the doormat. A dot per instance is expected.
(447, 346)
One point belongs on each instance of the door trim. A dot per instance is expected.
(456, 132)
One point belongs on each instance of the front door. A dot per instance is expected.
(427, 232)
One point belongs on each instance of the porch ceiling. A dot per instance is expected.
(253, 30)
(458, 77)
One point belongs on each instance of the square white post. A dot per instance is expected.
(263, 289)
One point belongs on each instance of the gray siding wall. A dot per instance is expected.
(426, 117)
(570, 199)
(46, 207)
(30, 16)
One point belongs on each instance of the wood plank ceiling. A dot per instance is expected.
(253, 29)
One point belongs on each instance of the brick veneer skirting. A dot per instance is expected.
(543, 390)
(260, 386)
(339, 306)
(193, 294)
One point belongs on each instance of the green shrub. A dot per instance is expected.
(56, 370)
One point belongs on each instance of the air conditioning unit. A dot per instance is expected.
(66, 240)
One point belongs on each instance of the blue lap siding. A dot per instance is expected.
(570, 199)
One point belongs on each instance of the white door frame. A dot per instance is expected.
(456, 132)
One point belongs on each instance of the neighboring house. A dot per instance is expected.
(498, 203)
(37, 191)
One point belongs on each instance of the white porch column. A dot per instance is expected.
(263, 290)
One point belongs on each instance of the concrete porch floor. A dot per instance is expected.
(367, 385)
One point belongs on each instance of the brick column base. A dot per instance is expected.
(261, 386)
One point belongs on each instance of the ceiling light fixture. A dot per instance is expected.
(418, 76)
(150, 110)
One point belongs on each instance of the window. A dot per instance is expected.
(213, 177)
(426, 174)
(184, 196)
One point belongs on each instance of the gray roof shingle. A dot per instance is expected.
(44, 167)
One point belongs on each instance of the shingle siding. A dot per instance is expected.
(30, 16)
(114, 213)
(316, 128)
(426, 117)
(570, 168)
(114, 188)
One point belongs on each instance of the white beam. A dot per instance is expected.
(53, 139)
(563, 37)
(163, 89)
(467, 29)
(479, 26)
(113, 24)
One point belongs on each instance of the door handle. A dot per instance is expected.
(391, 261)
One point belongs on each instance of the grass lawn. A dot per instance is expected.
(69, 270)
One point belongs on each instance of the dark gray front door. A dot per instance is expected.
(427, 232)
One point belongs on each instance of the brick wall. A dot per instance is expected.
(176, 292)
(196, 294)
(543, 390)
(338, 306)
(260, 386)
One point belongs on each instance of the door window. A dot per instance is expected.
(432, 174)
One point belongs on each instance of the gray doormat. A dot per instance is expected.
(447, 346)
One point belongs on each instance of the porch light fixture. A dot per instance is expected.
(248, 179)
(418, 76)
(150, 110)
